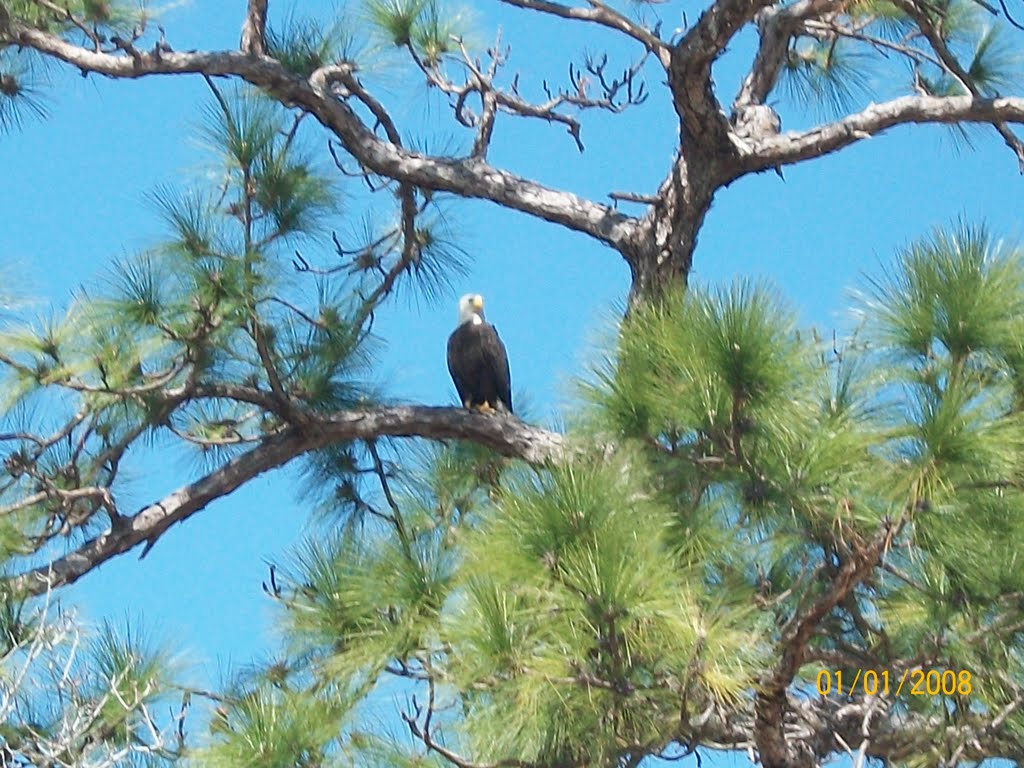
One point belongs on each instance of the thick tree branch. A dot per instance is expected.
(794, 147)
(772, 702)
(506, 435)
(668, 229)
(711, 151)
(717, 25)
(467, 177)
(690, 71)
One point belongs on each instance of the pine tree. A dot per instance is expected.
(750, 538)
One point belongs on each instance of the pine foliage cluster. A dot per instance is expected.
(729, 467)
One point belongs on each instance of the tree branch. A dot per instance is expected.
(467, 177)
(794, 147)
(718, 24)
(506, 435)
(406, 195)
(255, 28)
(771, 704)
(776, 26)
(954, 68)
(690, 71)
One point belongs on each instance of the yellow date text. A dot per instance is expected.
(910, 682)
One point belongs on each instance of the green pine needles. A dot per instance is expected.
(745, 505)
(737, 481)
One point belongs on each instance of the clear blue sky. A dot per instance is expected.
(72, 200)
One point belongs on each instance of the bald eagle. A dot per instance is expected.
(477, 359)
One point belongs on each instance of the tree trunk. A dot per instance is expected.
(661, 255)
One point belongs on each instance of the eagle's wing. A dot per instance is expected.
(455, 368)
(503, 378)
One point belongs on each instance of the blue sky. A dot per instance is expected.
(73, 200)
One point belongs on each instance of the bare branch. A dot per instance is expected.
(469, 177)
(494, 98)
(793, 147)
(385, 485)
(505, 434)
(634, 197)
(425, 734)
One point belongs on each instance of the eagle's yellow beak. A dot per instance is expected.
(477, 302)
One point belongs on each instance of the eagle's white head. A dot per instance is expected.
(471, 309)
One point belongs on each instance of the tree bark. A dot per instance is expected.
(254, 30)
(506, 435)
(662, 254)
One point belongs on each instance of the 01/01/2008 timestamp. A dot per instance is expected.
(912, 682)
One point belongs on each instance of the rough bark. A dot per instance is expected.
(796, 146)
(667, 235)
(506, 435)
(255, 29)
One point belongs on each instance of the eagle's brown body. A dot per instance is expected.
(478, 362)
